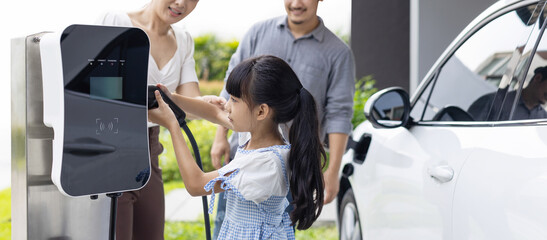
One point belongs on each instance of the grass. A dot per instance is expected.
(196, 230)
(5, 214)
(173, 230)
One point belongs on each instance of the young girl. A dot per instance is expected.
(264, 92)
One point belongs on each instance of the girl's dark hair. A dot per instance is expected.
(270, 80)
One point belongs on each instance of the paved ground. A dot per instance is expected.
(180, 206)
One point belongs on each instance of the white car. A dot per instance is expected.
(466, 156)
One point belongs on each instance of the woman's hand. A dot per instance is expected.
(215, 100)
(162, 115)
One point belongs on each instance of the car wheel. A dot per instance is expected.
(350, 225)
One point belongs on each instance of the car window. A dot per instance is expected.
(527, 95)
(471, 76)
(417, 110)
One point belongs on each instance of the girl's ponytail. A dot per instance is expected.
(306, 159)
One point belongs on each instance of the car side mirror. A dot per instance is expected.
(388, 108)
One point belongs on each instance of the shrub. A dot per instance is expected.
(364, 88)
(204, 134)
(211, 87)
(212, 56)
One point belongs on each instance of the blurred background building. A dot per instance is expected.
(398, 41)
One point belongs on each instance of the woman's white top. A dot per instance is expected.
(180, 69)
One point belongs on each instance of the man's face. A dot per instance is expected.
(301, 11)
(541, 91)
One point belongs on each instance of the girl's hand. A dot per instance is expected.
(165, 90)
(163, 115)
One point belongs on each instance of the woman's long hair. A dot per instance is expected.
(270, 80)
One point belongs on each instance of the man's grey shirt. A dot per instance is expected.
(323, 63)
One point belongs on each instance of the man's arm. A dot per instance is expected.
(220, 147)
(338, 114)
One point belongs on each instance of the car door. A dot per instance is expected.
(405, 188)
(502, 187)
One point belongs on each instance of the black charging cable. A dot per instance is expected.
(113, 210)
(181, 116)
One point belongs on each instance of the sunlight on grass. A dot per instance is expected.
(173, 230)
(5, 214)
(196, 230)
(170, 186)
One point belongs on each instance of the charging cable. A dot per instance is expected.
(181, 116)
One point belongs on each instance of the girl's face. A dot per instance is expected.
(172, 11)
(240, 115)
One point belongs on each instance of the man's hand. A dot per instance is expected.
(337, 147)
(331, 186)
(220, 148)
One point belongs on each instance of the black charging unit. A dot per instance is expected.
(181, 116)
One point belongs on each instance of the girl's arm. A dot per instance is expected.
(202, 109)
(193, 177)
(190, 89)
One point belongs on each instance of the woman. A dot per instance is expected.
(141, 214)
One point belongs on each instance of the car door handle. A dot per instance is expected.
(441, 173)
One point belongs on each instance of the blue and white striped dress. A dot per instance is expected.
(256, 193)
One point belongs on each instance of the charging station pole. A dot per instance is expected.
(39, 210)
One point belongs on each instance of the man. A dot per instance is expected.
(325, 66)
(529, 106)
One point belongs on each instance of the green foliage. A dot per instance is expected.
(204, 134)
(342, 36)
(364, 88)
(212, 56)
(329, 232)
(211, 87)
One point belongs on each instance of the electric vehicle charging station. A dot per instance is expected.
(79, 128)
(95, 99)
